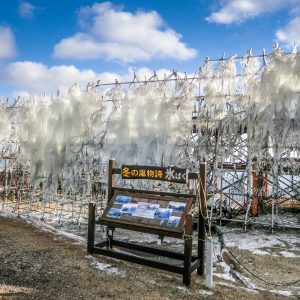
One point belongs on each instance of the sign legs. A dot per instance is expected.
(91, 227)
(188, 244)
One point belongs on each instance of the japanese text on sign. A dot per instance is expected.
(157, 173)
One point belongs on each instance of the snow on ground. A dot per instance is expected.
(256, 290)
(226, 271)
(261, 242)
(205, 293)
(183, 289)
(107, 268)
(47, 227)
(289, 254)
(234, 286)
(261, 252)
(283, 293)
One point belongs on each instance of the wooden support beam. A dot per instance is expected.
(111, 179)
(91, 227)
(188, 244)
(254, 203)
(266, 185)
(139, 260)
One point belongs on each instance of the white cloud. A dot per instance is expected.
(235, 11)
(39, 78)
(290, 34)
(113, 34)
(33, 77)
(7, 43)
(26, 10)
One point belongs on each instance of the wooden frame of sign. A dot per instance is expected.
(159, 213)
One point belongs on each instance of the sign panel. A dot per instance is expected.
(148, 211)
(172, 174)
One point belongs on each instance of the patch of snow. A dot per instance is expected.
(249, 284)
(226, 284)
(227, 275)
(205, 292)
(260, 252)
(256, 290)
(236, 287)
(282, 293)
(226, 272)
(46, 227)
(256, 240)
(183, 289)
(224, 276)
(107, 268)
(288, 254)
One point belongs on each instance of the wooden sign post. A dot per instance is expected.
(159, 213)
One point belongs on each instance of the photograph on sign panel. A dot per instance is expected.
(122, 199)
(171, 222)
(129, 208)
(177, 206)
(145, 210)
(114, 213)
(152, 206)
(163, 213)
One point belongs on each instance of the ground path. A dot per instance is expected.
(40, 265)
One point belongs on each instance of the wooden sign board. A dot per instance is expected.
(152, 211)
(171, 174)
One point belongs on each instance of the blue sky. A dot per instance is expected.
(49, 45)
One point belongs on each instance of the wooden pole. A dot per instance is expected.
(266, 185)
(111, 179)
(255, 194)
(260, 185)
(91, 227)
(188, 244)
(201, 219)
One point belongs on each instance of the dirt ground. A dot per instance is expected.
(40, 265)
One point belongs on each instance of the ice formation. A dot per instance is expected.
(150, 122)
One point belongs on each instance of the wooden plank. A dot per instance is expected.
(151, 250)
(195, 265)
(116, 171)
(139, 260)
(101, 244)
